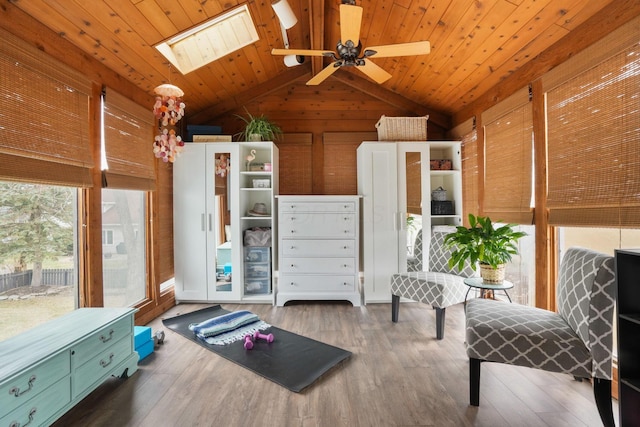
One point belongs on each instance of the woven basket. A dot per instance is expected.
(402, 128)
(493, 276)
(439, 194)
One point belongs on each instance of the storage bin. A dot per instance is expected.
(402, 128)
(442, 164)
(439, 194)
(442, 207)
(261, 183)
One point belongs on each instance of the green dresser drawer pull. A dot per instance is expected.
(105, 363)
(16, 390)
(105, 339)
(32, 412)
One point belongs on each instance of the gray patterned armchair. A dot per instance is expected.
(577, 340)
(439, 287)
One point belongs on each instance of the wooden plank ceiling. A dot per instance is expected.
(475, 44)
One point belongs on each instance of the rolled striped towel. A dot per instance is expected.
(221, 324)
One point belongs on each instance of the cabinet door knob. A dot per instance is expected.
(105, 363)
(16, 390)
(292, 247)
(107, 338)
(32, 412)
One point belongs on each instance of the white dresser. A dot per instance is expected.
(47, 370)
(318, 238)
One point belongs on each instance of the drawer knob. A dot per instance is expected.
(105, 363)
(293, 218)
(345, 247)
(292, 247)
(16, 390)
(32, 414)
(345, 284)
(107, 338)
(292, 284)
(292, 265)
(293, 231)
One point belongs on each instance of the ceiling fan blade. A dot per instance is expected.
(322, 75)
(350, 20)
(302, 52)
(375, 72)
(400, 49)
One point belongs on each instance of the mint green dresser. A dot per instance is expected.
(47, 370)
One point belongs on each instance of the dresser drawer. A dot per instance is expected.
(101, 340)
(34, 380)
(317, 265)
(318, 248)
(317, 207)
(316, 283)
(323, 225)
(40, 408)
(101, 365)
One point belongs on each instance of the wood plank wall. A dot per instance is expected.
(323, 126)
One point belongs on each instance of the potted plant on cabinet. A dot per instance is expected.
(258, 128)
(482, 243)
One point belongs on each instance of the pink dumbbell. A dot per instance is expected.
(248, 343)
(268, 338)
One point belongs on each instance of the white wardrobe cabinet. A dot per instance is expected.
(318, 244)
(396, 182)
(215, 196)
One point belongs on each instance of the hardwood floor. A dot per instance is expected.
(399, 375)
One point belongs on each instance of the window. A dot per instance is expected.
(211, 40)
(38, 255)
(107, 237)
(521, 271)
(124, 268)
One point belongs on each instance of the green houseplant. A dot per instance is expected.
(483, 243)
(258, 127)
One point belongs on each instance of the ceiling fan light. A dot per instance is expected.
(285, 13)
(293, 60)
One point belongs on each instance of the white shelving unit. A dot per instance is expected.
(211, 213)
(396, 181)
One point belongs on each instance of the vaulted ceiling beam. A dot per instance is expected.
(316, 27)
(392, 98)
(208, 114)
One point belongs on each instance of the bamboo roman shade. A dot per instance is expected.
(593, 115)
(508, 133)
(128, 134)
(44, 118)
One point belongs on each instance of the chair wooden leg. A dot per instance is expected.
(395, 306)
(474, 381)
(439, 322)
(602, 393)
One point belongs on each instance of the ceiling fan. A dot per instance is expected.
(349, 49)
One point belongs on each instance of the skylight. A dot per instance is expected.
(211, 40)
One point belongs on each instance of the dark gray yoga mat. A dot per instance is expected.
(292, 361)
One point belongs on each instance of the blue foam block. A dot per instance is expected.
(142, 334)
(145, 349)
